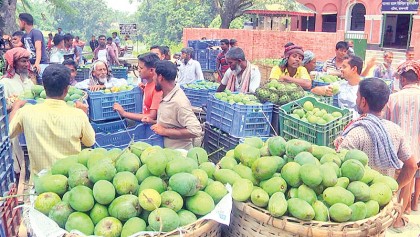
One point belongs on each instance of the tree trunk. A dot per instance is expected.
(8, 17)
(226, 20)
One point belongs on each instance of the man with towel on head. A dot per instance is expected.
(241, 76)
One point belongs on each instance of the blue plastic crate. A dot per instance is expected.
(198, 98)
(213, 53)
(121, 139)
(82, 74)
(202, 54)
(2, 232)
(7, 173)
(318, 83)
(318, 67)
(240, 120)
(202, 44)
(4, 124)
(217, 143)
(119, 72)
(212, 65)
(204, 63)
(109, 126)
(101, 104)
(192, 43)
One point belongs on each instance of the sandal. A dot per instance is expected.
(400, 229)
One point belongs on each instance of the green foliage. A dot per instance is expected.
(164, 20)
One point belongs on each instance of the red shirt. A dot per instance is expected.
(151, 98)
(224, 66)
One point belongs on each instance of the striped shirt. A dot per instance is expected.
(403, 108)
(331, 66)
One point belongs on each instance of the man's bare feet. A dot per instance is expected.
(414, 204)
(400, 222)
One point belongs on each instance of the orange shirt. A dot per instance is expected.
(151, 98)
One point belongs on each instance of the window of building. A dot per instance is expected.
(358, 12)
(329, 23)
(308, 23)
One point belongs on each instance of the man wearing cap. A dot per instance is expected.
(241, 76)
(403, 108)
(290, 68)
(190, 69)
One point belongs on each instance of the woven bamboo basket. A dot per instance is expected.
(265, 71)
(249, 220)
(200, 228)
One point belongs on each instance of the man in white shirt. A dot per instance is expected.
(241, 76)
(351, 68)
(100, 78)
(190, 69)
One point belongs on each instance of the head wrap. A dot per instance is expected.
(93, 80)
(289, 51)
(409, 65)
(307, 57)
(13, 55)
(293, 49)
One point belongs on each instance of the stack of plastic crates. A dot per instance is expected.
(228, 123)
(322, 135)
(82, 73)
(119, 72)
(198, 97)
(117, 135)
(101, 103)
(7, 175)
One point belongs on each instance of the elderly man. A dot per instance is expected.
(53, 130)
(241, 76)
(190, 69)
(100, 78)
(17, 77)
(385, 69)
(176, 121)
(383, 141)
(16, 81)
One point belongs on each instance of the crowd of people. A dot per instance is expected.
(385, 121)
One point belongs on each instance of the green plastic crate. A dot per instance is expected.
(322, 135)
(323, 99)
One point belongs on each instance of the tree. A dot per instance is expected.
(231, 9)
(163, 21)
(7, 16)
(8, 12)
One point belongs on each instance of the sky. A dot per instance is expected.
(123, 5)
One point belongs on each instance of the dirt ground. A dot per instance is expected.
(411, 230)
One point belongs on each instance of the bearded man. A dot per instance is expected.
(18, 77)
(241, 76)
(100, 78)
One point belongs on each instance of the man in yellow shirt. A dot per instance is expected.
(291, 69)
(53, 130)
